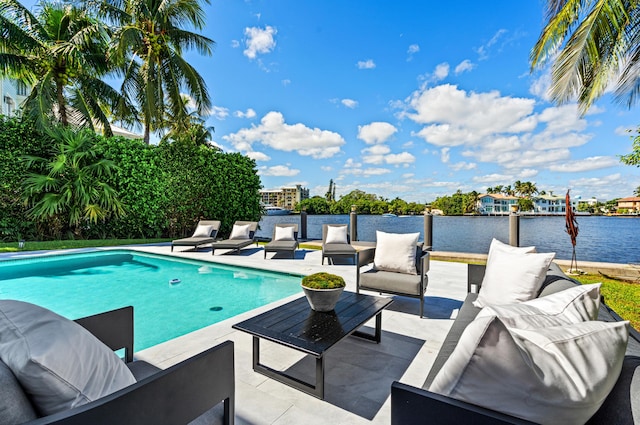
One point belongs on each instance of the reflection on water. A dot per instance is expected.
(607, 239)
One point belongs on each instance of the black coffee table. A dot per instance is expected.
(296, 325)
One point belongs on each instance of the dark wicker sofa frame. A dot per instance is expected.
(176, 395)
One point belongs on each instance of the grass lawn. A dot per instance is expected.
(623, 297)
(39, 246)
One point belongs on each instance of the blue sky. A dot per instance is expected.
(415, 99)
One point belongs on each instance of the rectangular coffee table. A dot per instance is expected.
(296, 325)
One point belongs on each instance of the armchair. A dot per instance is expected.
(331, 247)
(410, 285)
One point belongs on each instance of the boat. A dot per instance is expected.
(273, 210)
(389, 215)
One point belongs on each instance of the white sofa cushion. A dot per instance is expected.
(496, 245)
(556, 375)
(396, 252)
(573, 305)
(336, 234)
(240, 231)
(284, 233)
(203, 231)
(58, 363)
(512, 277)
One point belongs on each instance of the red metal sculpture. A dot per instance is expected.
(571, 225)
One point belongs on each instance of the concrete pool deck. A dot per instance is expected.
(359, 373)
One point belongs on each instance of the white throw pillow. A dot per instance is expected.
(58, 363)
(396, 252)
(573, 305)
(496, 245)
(512, 277)
(284, 233)
(240, 231)
(336, 234)
(203, 231)
(557, 375)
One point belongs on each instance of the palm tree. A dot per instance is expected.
(148, 42)
(190, 127)
(598, 44)
(60, 53)
(72, 187)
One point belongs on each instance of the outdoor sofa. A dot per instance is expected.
(199, 389)
(412, 405)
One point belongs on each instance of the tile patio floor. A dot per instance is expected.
(358, 373)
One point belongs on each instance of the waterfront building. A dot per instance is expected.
(630, 204)
(12, 94)
(496, 203)
(286, 197)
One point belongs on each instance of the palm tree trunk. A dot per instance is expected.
(62, 109)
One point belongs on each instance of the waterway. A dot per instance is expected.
(606, 239)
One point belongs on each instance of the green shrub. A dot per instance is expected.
(323, 281)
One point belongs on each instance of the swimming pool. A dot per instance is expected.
(171, 296)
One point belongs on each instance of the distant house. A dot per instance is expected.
(631, 204)
(12, 94)
(496, 203)
(552, 204)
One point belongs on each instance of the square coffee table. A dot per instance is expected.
(296, 325)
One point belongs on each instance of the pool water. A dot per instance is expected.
(171, 297)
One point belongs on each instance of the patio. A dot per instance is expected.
(359, 373)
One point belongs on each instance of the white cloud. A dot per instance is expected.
(259, 41)
(455, 117)
(464, 66)
(368, 64)
(349, 103)
(326, 168)
(376, 132)
(540, 86)
(463, 166)
(235, 44)
(276, 134)
(441, 72)
(377, 150)
(399, 158)
(492, 178)
(445, 155)
(219, 112)
(412, 50)
(258, 156)
(279, 171)
(250, 113)
(586, 164)
(483, 51)
(286, 82)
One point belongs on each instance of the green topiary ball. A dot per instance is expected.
(323, 281)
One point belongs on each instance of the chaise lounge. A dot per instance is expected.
(285, 239)
(205, 233)
(412, 405)
(64, 367)
(242, 235)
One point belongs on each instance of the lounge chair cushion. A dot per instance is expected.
(59, 364)
(336, 235)
(396, 252)
(283, 233)
(203, 231)
(512, 277)
(574, 305)
(553, 375)
(391, 282)
(240, 231)
(15, 407)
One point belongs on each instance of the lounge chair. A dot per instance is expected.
(242, 235)
(285, 239)
(335, 242)
(204, 234)
(383, 278)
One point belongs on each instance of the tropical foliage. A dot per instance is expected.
(365, 203)
(74, 189)
(634, 157)
(148, 43)
(73, 184)
(61, 54)
(592, 44)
